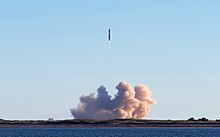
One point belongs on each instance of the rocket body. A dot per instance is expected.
(109, 35)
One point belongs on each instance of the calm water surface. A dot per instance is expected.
(110, 132)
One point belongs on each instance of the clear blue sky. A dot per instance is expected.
(52, 52)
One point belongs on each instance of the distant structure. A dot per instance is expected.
(50, 119)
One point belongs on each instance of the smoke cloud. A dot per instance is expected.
(127, 103)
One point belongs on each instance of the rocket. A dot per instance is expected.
(109, 34)
(109, 39)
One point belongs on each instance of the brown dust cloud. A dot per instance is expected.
(128, 102)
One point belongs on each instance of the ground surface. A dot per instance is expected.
(77, 123)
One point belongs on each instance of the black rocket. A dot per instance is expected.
(109, 34)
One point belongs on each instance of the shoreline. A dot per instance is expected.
(115, 123)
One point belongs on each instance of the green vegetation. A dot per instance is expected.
(191, 119)
(200, 119)
(203, 119)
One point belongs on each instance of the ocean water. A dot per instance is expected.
(109, 132)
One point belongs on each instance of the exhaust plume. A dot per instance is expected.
(127, 103)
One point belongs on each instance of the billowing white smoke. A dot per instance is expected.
(127, 103)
